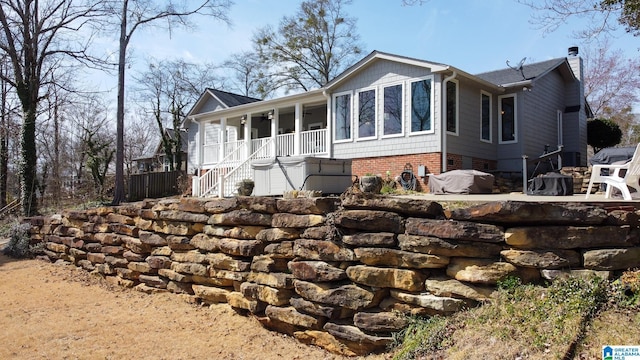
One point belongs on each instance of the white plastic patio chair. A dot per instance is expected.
(614, 180)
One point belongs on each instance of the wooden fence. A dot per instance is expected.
(153, 185)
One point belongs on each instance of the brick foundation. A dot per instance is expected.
(396, 164)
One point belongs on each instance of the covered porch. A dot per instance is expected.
(231, 139)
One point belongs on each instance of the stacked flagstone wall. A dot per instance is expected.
(338, 273)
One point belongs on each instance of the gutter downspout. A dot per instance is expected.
(443, 118)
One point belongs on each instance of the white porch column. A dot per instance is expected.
(247, 137)
(275, 124)
(200, 147)
(329, 134)
(297, 129)
(222, 138)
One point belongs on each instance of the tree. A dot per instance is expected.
(8, 111)
(169, 89)
(249, 75)
(603, 133)
(135, 14)
(310, 48)
(611, 84)
(604, 16)
(36, 33)
(138, 139)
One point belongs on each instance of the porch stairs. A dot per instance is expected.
(221, 180)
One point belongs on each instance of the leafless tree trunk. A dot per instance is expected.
(134, 14)
(35, 34)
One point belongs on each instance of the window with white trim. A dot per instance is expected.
(393, 110)
(452, 106)
(342, 116)
(485, 116)
(366, 114)
(421, 109)
(507, 119)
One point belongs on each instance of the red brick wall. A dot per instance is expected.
(432, 161)
(395, 164)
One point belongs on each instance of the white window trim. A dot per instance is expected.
(457, 132)
(515, 119)
(490, 140)
(356, 111)
(402, 105)
(351, 117)
(433, 100)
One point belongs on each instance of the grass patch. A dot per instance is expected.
(522, 322)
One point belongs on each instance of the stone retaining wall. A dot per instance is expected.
(338, 273)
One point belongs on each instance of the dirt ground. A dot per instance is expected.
(50, 311)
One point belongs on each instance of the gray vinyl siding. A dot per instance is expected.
(193, 149)
(539, 113)
(210, 105)
(468, 143)
(536, 121)
(380, 74)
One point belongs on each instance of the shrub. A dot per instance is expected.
(19, 245)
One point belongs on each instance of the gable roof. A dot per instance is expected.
(509, 76)
(224, 98)
(379, 55)
(376, 55)
(230, 99)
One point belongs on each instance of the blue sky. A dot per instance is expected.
(472, 35)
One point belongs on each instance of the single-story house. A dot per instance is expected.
(156, 159)
(387, 111)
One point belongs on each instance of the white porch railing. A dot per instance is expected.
(234, 167)
(285, 144)
(242, 171)
(313, 142)
(232, 151)
(210, 153)
(259, 150)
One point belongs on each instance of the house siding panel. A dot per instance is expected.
(380, 74)
(467, 142)
(192, 152)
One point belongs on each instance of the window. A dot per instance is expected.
(392, 118)
(421, 105)
(342, 117)
(452, 106)
(367, 114)
(485, 117)
(507, 120)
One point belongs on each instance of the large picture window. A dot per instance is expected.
(392, 110)
(342, 117)
(485, 117)
(421, 105)
(507, 120)
(367, 114)
(452, 106)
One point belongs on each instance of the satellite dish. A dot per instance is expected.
(519, 67)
